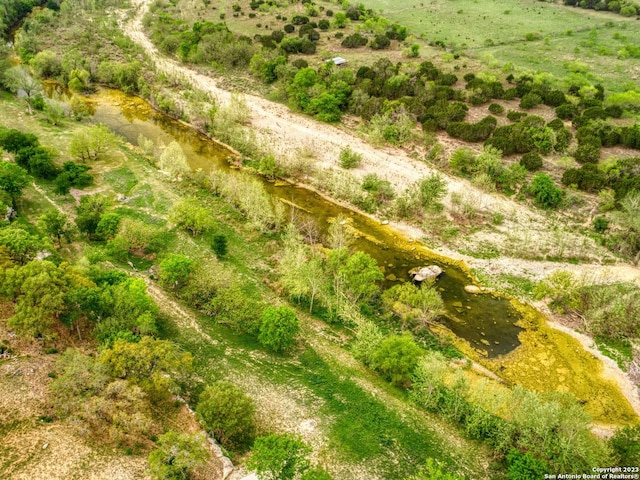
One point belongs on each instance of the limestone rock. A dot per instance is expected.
(420, 274)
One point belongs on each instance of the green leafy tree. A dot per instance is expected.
(18, 79)
(56, 225)
(219, 245)
(175, 269)
(72, 175)
(416, 306)
(89, 213)
(135, 237)
(157, 366)
(228, 413)
(396, 358)
(177, 455)
(360, 274)
(279, 328)
(279, 457)
(92, 143)
(189, 215)
(174, 161)
(13, 180)
(108, 226)
(39, 289)
(21, 245)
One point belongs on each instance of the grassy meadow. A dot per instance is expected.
(527, 35)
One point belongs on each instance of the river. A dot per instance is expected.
(486, 321)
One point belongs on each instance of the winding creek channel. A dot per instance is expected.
(507, 337)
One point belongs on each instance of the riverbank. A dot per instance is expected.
(286, 131)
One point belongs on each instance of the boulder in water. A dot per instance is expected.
(472, 289)
(420, 274)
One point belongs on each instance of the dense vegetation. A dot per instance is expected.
(85, 270)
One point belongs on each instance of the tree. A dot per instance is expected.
(175, 269)
(219, 245)
(134, 236)
(13, 180)
(55, 224)
(92, 143)
(72, 175)
(21, 245)
(177, 455)
(415, 305)
(189, 215)
(396, 358)
(359, 275)
(279, 328)
(279, 457)
(228, 413)
(54, 112)
(545, 192)
(46, 64)
(174, 161)
(38, 161)
(20, 82)
(39, 288)
(157, 366)
(108, 226)
(90, 212)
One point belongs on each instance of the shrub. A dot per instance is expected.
(279, 328)
(530, 100)
(289, 28)
(324, 24)
(299, 20)
(228, 413)
(281, 457)
(219, 245)
(545, 192)
(396, 358)
(524, 466)
(532, 161)
(463, 160)
(600, 224)
(349, 158)
(587, 152)
(354, 41)
(566, 111)
(380, 42)
(496, 109)
(515, 116)
(277, 35)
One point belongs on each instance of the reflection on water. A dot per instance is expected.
(485, 321)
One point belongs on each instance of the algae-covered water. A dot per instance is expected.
(488, 326)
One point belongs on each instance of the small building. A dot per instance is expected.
(339, 61)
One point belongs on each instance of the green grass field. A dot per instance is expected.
(496, 33)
